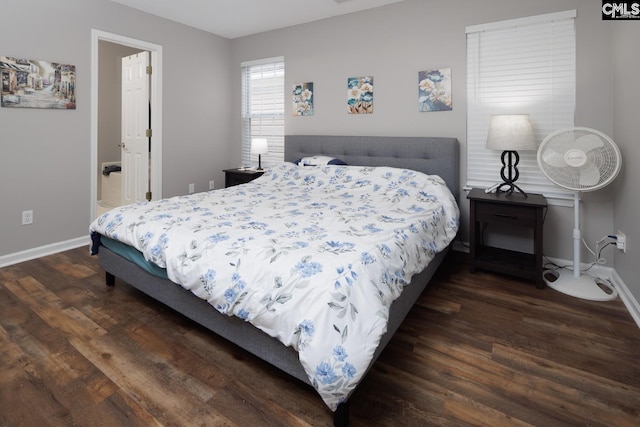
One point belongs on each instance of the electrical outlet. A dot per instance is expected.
(621, 241)
(211, 185)
(27, 217)
(192, 188)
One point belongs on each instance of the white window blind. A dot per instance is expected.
(263, 109)
(520, 66)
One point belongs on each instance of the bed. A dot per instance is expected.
(336, 374)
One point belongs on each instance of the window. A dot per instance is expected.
(263, 109)
(520, 66)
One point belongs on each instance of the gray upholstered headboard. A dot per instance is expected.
(431, 155)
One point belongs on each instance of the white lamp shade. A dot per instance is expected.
(511, 132)
(259, 146)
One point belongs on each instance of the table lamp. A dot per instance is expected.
(510, 133)
(259, 146)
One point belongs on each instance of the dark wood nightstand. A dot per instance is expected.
(502, 209)
(240, 176)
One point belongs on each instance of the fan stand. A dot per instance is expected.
(573, 283)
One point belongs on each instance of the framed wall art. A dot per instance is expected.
(434, 90)
(28, 83)
(303, 99)
(360, 95)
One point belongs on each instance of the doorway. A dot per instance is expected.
(98, 39)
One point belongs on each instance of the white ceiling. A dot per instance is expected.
(237, 18)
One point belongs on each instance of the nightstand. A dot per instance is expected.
(500, 209)
(240, 176)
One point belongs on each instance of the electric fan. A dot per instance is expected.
(579, 159)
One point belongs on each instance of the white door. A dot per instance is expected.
(135, 124)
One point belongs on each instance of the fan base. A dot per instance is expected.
(584, 286)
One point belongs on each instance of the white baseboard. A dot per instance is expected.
(630, 302)
(41, 251)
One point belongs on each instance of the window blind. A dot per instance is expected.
(520, 66)
(263, 109)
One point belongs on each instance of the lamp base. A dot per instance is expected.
(509, 172)
(509, 187)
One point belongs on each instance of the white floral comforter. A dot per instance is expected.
(311, 255)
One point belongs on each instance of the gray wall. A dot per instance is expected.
(45, 161)
(626, 108)
(393, 43)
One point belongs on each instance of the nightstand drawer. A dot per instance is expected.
(490, 212)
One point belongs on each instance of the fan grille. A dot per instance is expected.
(604, 159)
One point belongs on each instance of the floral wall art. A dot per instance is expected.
(360, 95)
(29, 83)
(434, 90)
(303, 99)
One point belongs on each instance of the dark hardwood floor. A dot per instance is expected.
(479, 349)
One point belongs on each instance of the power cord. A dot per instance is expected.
(598, 258)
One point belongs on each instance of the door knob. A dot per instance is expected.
(122, 146)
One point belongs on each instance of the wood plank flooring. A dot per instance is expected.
(479, 349)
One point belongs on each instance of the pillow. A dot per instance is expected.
(319, 161)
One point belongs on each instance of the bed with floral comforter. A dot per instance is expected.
(313, 256)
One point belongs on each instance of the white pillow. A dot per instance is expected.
(319, 161)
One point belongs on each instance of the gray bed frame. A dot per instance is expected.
(432, 155)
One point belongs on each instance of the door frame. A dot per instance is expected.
(156, 111)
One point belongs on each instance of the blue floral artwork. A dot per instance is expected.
(434, 90)
(360, 95)
(303, 99)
